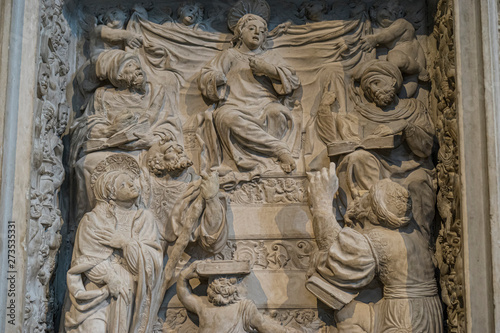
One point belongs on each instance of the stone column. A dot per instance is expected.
(476, 37)
(18, 46)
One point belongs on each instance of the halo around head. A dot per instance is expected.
(116, 162)
(243, 7)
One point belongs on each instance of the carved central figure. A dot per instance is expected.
(247, 81)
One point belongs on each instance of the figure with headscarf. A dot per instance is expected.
(388, 137)
(117, 257)
(379, 241)
(127, 114)
(247, 81)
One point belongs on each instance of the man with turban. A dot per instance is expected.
(380, 116)
(127, 114)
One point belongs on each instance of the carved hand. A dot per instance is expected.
(133, 40)
(190, 272)
(368, 43)
(322, 187)
(329, 97)
(220, 79)
(259, 67)
(109, 238)
(117, 288)
(209, 185)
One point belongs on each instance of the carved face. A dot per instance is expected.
(386, 13)
(190, 14)
(254, 34)
(133, 75)
(125, 188)
(167, 157)
(223, 291)
(381, 90)
(43, 80)
(313, 10)
(115, 18)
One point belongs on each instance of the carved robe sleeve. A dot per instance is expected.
(288, 79)
(211, 74)
(350, 261)
(144, 246)
(420, 133)
(210, 227)
(212, 232)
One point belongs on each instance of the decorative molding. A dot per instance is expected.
(271, 254)
(48, 173)
(449, 249)
(271, 191)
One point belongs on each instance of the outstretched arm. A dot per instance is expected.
(322, 187)
(185, 293)
(401, 28)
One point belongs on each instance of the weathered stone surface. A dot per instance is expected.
(217, 114)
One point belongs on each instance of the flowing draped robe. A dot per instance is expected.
(138, 266)
(250, 120)
(403, 263)
(408, 164)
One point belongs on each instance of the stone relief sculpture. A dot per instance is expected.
(398, 35)
(246, 80)
(117, 258)
(216, 130)
(381, 239)
(449, 251)
(383, 137)
(225, 309)
(187, 208)
(50, 118)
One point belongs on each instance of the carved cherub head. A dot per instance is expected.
(250, 30)
(223, 291)
(384, 12)
(190, 13)
(115, 18)
(313, 10)
(167, 156)
(381, 81)
(387, 204)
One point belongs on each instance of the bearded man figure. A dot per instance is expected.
(187, 207)
(177, 193)
(388, 137)
(127, 114)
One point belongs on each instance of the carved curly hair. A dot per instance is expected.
(223, 291)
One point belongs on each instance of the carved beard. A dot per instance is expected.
(136, 82)
(181, 162)
(383, 96)
(160, 167)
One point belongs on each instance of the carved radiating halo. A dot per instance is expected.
(116, 162)
(243, 7)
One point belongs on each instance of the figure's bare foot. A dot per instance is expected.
(287, 162)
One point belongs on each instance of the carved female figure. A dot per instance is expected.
(117, 261)
(247, 81)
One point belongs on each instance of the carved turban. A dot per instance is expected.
(110, 63)
(380, 67)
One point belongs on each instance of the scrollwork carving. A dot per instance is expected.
(47, 168)
(270, 191)
(449, 248)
